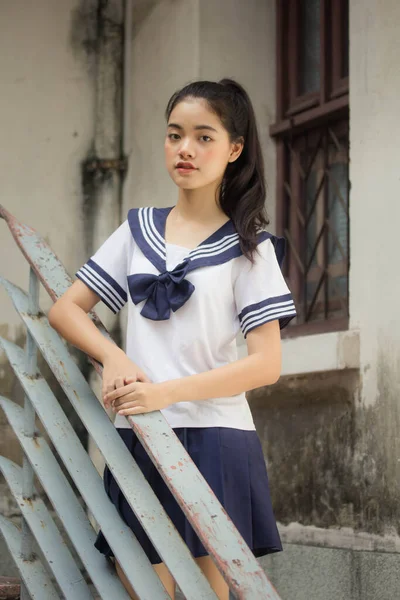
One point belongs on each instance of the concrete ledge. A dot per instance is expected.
(306, 573)
(317, 353)
(344, 538)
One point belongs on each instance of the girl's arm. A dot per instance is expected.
(69, 317)
(261, 367)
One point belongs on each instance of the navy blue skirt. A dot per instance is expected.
(233, 464)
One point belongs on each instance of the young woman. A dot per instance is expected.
(193, 275)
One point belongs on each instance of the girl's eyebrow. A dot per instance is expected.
(197, 127)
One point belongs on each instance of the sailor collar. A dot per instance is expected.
(170, 290)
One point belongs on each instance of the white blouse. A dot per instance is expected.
(186, 307)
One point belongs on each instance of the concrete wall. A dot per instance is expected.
(46, 120)
(374, 214)
(47, 124)
(374, 206)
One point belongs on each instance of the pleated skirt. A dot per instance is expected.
(233, 464)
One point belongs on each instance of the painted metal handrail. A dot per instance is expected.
(235, 560)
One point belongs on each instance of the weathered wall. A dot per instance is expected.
(375, 212)
(308, 431)
(374, 274)
(46, 120)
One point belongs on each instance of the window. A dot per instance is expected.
(312, 137)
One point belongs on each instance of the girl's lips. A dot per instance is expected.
(185, 170)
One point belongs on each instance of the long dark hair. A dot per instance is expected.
(243, 190)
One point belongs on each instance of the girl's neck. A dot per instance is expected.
(199, 206)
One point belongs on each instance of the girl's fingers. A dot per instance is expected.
(127, 404)
(120, 392)
(127, 399)
(118, 382)
(108, 387)
(143, 378)
(135, 410)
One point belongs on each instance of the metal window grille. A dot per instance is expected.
(316, 223)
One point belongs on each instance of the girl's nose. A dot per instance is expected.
(186, 150)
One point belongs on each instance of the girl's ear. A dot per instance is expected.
(236, 150)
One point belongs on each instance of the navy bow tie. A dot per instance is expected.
(165, 292)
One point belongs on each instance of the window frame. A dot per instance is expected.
(299, 113)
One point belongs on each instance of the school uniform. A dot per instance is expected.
(185, 309)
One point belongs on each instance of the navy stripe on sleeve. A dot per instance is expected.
(279, 307)
(100, 282)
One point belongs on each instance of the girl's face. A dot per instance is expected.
(197, 146)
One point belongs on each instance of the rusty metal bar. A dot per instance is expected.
(127, 549)
(29, 424)
(48, 268)
(33, 574)
(243, 572)
(59, 559)
(70, 511)
(133, 484)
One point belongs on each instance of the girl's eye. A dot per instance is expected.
(206, 136)
(173, 136)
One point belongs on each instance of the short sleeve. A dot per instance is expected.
(261, 293)
(105, 273)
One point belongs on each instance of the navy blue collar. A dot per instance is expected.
(168, 291)
(148, 229)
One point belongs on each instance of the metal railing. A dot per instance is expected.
(56, 574)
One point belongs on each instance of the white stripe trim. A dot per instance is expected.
(104, 283)
(93, 286)
(277, 305)
(261, 314)
(215, 245)
(278, 311)
(145, 235)
(152, 230)
(210, 254)
(271, 316)
(263, 321)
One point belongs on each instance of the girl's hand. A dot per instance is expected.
(137, 397)
(118, 369)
